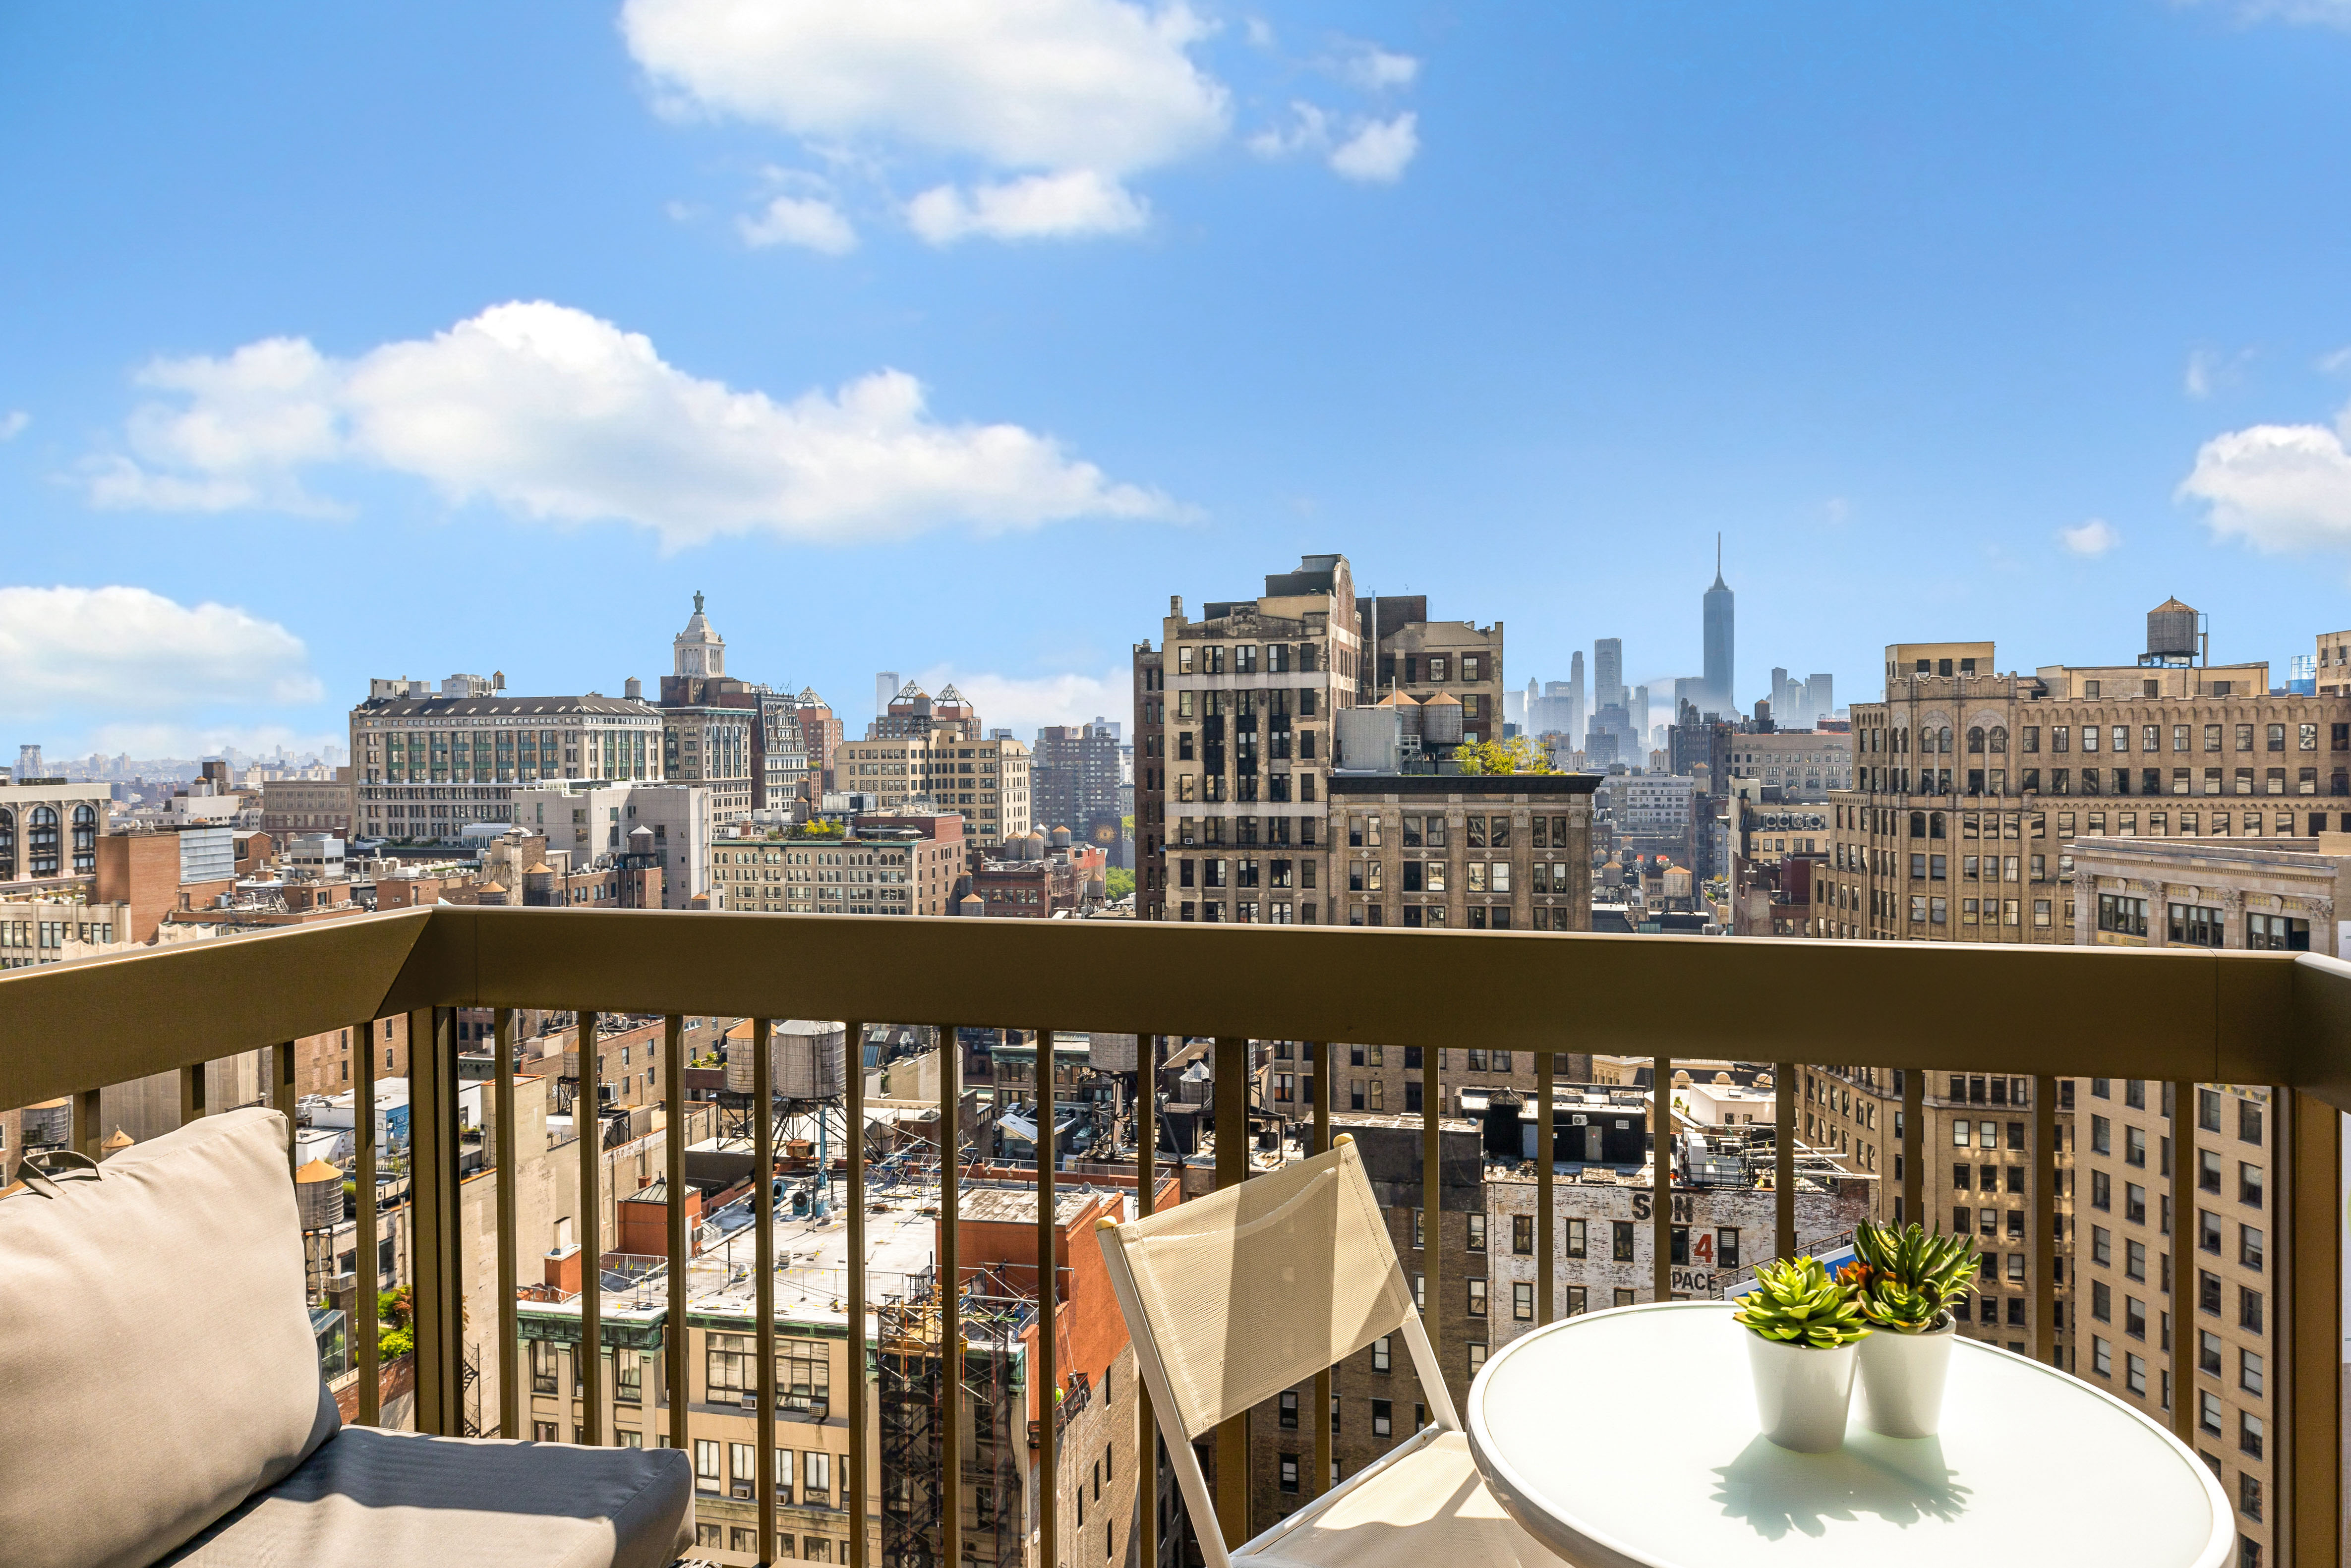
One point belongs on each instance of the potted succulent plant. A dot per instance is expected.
(1803, 1327)
(1905, 1280)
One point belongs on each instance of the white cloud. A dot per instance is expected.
(1023, 704)
(2276, 487)
(1379, 152)
(12, 423)
(1058, 103)
(553, 415)
(2092, 538)
(1025, 84)
(1040, 206)
(2306, 12)
(120, 659)
(2198, 380)
(1377, 69)
(2209, 370)
(1309, 128)
(809, 221)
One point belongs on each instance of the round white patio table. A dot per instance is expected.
(1628, 1440)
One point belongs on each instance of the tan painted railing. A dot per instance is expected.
(2186, 1017)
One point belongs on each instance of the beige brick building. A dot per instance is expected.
(1462, 851)
(987, 782)
(1801, 764)
(1233, 717)
(291, 806)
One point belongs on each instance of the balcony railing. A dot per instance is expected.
(2186, 1017)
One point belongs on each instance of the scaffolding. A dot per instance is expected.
(994, 1445)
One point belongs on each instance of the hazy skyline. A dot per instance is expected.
(348, 345)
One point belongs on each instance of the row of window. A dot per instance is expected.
(1478, 831)
(1993, 739)
(1193, 832)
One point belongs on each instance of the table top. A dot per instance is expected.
(1628, 1440)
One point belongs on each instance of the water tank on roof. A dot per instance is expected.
(318, 1195)
(2171, 630)
(1440, 720)
(1061, 838)
(807, 1059)
(1407, 711)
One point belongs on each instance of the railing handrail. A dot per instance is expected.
(2177, 1013)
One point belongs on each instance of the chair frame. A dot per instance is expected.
(1194, 1482)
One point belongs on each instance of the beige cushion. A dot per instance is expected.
(372, 1499)
(1429, 1508)
(156, 1360)
(1249, 1290)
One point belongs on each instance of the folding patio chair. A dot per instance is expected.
(1233, 1297)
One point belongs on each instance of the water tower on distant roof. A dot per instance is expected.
(2176, 634)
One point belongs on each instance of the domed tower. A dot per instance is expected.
(699, 651)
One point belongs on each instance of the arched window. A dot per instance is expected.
(7, 845)
(2000, 739)
(1975, 740)
(1943, 740)
(41, 842)
(1934, 822)
(85, 840)
(1918, 824)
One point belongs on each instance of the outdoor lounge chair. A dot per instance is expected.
(161, 1400)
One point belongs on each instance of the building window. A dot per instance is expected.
(1383, 1418)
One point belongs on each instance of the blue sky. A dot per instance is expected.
(952, 339)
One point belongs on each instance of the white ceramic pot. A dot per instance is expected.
(1802, 1395)
(1902, 1377)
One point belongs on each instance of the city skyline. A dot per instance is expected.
(2131, 419)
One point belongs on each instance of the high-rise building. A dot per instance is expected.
(1721, 679)
(707, 720)
(1075, 782)
(987, 781)
(1234, 713)
(885, 686)
(1819, 696)
(1608, 674)
(1434, 851)
(1575, 726)
(1637, 714)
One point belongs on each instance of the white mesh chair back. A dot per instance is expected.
(1249, 1290)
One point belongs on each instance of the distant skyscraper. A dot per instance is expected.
(1638, 714)
(1820, 696)
(885, 686)
(1575, 703)
(1608, 674)
(1719, 679)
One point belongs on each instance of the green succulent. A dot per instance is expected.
(1905, 1279)
(1797, 1302)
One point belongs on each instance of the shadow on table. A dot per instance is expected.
(1900, 1480)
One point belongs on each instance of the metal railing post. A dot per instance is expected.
(950, 1289)
(2044, 1230)
(1049, 1364)
(1432, 1198)
(1146, 1193)
(193, 1093)
(1232, 1086)
(675, 1330)
(1546, 1157)
(1661, 1179)
(1783, 1161)
(2181, 1297)
(436, 1244)
(502, 1072)
(763, 1270)
(281, 1074)
(2308, 1152)
(1321, 1144)
(857, 1412)
(588, 1129)
(370, 1277)
(1914, 1148)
